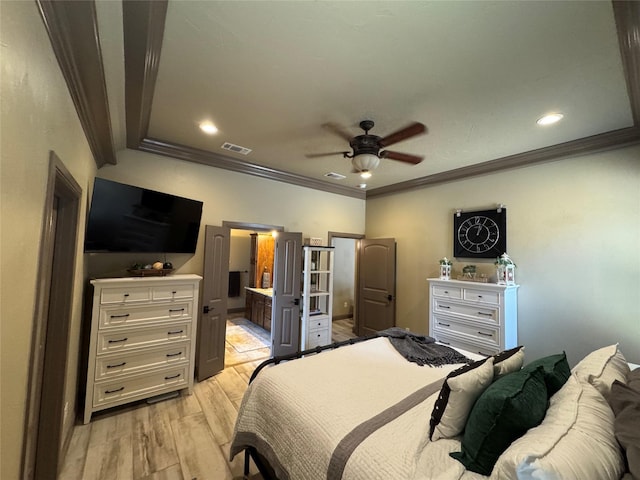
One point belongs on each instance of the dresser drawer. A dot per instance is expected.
(124, 295)
(447, 292)
(318, 322)
(471, 347)
(481, 296)
(475, 312)
(473, 332)
(141, 386)
(133, 316)
(128, 339)
(172, 292)
(112, 366)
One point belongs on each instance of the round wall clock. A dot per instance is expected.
(480, 234)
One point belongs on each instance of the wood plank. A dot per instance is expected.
(110, 460)
(174, 472)
(153, 443)
(200, 455)
(232, 384)
(219, 411)
(178, 407)
(115, 424)
(73, 465)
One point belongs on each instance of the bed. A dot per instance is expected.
(363, 411)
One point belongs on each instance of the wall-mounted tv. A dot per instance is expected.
(124, 218)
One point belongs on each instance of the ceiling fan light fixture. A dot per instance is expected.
(550, 119)
(365, 163)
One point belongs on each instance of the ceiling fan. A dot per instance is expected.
(367, 149)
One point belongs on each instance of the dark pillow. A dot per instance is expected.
(504, 412)
(625, 403)
(556, 371)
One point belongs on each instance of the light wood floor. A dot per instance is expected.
(185, 438)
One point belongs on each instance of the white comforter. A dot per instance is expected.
(296, 413)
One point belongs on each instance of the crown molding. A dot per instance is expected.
(211, 159)
(73, 31)
(596, 143)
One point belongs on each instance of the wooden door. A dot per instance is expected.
(285, 319)
(376, 285)
(212, 326)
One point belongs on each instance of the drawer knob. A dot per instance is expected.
(120, 316)
(171, 377)
(444, 306)
(117, 365)
(479, 296)
(172, 310)
(446, 343)
(174, 354)
(119, 340)
(485, 314)
(447, 292)
(173, 293)
(444, 324)
(107, 392)
(485, 334)
(174, 332)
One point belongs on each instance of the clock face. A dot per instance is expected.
(480, 234)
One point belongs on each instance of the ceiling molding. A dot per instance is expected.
(73, 31)
(596, 143)
(627, 15)
(211, 159)
(143, 24)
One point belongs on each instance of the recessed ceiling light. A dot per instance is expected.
(209, 128)
(362, 185)
(550, 119)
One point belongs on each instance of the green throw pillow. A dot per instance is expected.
(504, 412)
(556, 371)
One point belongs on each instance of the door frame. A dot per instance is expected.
(356, 299)
(49, 346)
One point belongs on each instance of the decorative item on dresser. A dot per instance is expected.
(445, 269)
(317, 296)
(478, 317)
(142, 339)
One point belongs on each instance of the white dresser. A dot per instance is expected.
(142, 339)
(478, 317)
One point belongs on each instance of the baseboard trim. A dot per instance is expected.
(340, 317)
(235, 310)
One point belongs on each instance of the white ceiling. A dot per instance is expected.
(477, 74)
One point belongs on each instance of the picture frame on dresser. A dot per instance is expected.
(477, 317)
(141, 339)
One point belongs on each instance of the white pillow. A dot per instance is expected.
(601, 367)
(460, 390)
(507, 362)
(574, 441)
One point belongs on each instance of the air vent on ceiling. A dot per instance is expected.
(334, 175)
(236, 148)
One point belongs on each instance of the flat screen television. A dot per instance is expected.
(124, 218)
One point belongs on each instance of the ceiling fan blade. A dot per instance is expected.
(407, 132)
(326, 154)
(402, 157)
(338, 130)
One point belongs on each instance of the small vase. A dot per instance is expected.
(510, 274)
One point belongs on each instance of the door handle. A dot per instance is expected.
(205, 309)
(390, 298)
(296, 301)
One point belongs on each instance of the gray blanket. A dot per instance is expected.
(421, 349)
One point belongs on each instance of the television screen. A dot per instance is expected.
(124, 218)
